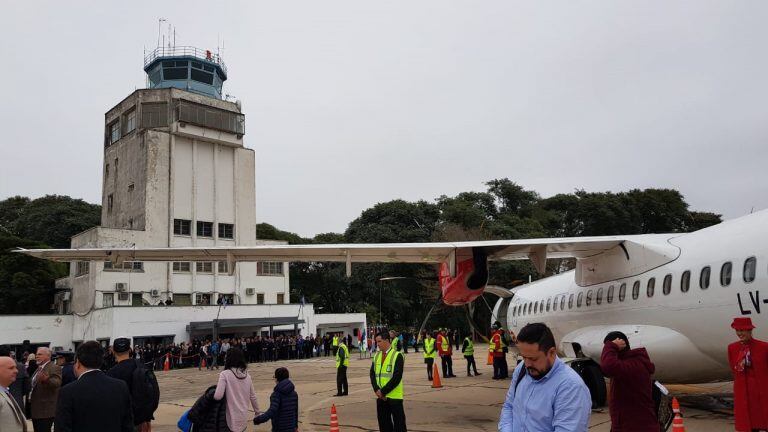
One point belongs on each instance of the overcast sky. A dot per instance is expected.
(350, 103)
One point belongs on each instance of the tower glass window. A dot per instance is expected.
(204, 229)
(182, 227)
(226, 231)
(129, 121)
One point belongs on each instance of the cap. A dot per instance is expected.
(121, 345)
(68, 355)
(742, 324)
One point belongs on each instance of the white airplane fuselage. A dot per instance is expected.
(686, 333)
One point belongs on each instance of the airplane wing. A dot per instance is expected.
(643, 251)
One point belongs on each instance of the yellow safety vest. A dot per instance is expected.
(396, 344)
(384, 372)
(470, 347)
(335, 341)
(342, 347)
(429, 346)
(445, 343)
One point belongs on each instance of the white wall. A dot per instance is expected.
(55, 329)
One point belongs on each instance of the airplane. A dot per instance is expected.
(674, 294)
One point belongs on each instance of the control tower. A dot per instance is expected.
(187, 68)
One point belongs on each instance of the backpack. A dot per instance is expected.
(145, 393)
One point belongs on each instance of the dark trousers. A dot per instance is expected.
(391, 415)
(42, 425)
(430, 364)
(447, 364)
(471, 363)
(497, 367)
(342, 386)
(504, 367)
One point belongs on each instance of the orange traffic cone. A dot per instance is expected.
(677, 422)
(490, 358)
(334, 419)
(436, 377)
(167, 363)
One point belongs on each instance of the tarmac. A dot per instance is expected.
(463, 403)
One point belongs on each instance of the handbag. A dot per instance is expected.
(184, 424)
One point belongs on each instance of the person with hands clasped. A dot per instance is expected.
(387, 382)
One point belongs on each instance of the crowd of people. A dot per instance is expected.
(545, 394)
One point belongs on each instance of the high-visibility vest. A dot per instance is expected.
(335, 341)
(445, 344)
(342, 347)
(470, 347)
(495, 345)
(396, 344)
(429, 348)
(385, 370)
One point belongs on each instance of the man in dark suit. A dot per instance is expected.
(20, 388)
(95, 402)
(46, 382)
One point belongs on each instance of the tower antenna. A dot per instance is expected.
(160, 22)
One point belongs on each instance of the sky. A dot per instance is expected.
(352, 103)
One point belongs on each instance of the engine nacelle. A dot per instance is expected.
(470, 280)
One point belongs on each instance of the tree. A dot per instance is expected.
(52, 219)
(26, 283)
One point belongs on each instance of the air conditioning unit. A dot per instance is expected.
(155, 293)
(66, 296)
(123, 296)
(250, 291)
(121, 287)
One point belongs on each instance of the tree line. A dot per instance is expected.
(505, 210)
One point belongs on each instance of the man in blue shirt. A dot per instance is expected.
(545, 393)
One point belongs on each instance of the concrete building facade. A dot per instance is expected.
(176, 173)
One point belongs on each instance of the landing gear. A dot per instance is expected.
(593, 377)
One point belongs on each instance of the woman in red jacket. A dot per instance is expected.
(631, 403)
(748, 358)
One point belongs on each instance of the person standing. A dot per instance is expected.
(11, 414)
(95, 402)
(46, 383)
(342, 362)
(396, 344)
(65, 360)
(387, 382)
(141, 383)
(468, 349)
(630, 402)
(748, 359)
(445, 351)
(236, 387)
(335, 344)
(429, 354)
(497, 351)
(19, 388)
(545, 394)
(283, 405)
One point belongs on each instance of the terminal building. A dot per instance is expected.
(176, 173)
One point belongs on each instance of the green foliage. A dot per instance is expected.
(52, 219)
(265, 231)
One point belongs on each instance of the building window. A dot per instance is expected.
(131, 187)
(226, 299)
(685, 281)
(204, 229)
(154, 115)
(181, 267)
(635, 290)
(182, 300)
(750, 267)
(651, 287)
(226, 231)
(269, 268)
(182, 227)
(570, 302)
(125, 266)
(129, 121)
(204, 267)
(725, 274)
(579, 299)
(666, 287)
(609, 296)
(599, 297)
(704, 277)
(110, 203)
(82, 268)
(222, 267)
(113, 132)
(259, 298)
(281, 298)
(202, 299)
(107, 300)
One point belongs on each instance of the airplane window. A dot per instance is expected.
(622, 292)
(609, 296)
(599, 298)
(554, 304)
(651, 287)
(549, 303)
(636, 290)
(578, 300)
(570, 302)
(514, 311)
(562, 303)
(541, 307)
(667, 285)
(750, 265)
(704, 278)
(536, 307)
(725, 274)
(685, 281)
(588, 301)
